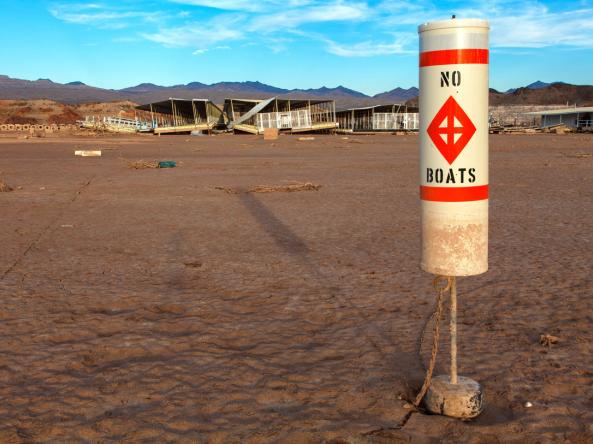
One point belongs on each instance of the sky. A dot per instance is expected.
(370, 46)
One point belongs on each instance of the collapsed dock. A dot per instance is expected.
(287, 115)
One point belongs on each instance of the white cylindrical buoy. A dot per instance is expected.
(454, 146)
(454, 178)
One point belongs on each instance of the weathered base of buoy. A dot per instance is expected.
(464, 400)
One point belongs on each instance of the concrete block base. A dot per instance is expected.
(464, 400)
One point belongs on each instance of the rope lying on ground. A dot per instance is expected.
(438, 313)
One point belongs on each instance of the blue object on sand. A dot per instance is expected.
(167, 164)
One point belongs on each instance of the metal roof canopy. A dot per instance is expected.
(282, 100)
(374, 107)
(183, 106)
(564, 111)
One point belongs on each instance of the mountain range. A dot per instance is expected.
(537, 93)
(78, 92)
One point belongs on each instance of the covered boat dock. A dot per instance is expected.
(393, 117)
(177, 116)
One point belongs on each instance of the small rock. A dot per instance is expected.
(528, 404)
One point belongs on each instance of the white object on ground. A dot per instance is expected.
(88, 153)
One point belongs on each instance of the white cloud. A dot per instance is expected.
(533, 29)
(244, 5)
(383, 27)
(100, 16)
(401, 45)
(199, 35)
(337, 11)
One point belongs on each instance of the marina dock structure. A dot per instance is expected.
(376, 118)
(287, 115)
(576, 118)
(178, 116)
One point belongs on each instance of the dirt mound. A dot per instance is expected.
(20, 120)
(66, 116)
(50, 112)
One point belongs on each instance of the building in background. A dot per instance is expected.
(580, 119)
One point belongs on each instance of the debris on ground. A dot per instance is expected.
(308, 186)
(4, 187)
(305, 139)
(142, 164)
(88, 153)
(547, 340)
(167, 164)
(290, 188)
(579, 155)
(271, 133)
(227, 190)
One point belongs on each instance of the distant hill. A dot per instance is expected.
(550, 94)
(537, 93)
(398, 95)
(46, 89)
(77, 92)
(538, 84)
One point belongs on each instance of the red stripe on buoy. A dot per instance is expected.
(454, 57)
(446, 194)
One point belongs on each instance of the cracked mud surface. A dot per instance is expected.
(149, 306)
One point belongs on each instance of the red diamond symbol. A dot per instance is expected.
(449, 122)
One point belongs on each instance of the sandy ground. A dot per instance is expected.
(149, 306)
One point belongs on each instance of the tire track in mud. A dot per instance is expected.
(48, 228)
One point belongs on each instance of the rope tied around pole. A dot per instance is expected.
(437, 315)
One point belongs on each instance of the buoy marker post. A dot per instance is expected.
(453, 139)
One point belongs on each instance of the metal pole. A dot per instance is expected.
(453, 330)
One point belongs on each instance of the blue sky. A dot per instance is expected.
(370, 46)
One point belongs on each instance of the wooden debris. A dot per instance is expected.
(308, 186)
(547, 340)
(142, 164)
(227, 190)
(4, 187)
(271, 133)
(579, 155)
(88, 153)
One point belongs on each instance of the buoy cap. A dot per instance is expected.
(454, 23)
